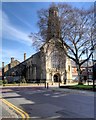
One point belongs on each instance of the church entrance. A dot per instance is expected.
(57, 78)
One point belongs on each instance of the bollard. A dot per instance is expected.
(47, 86)
(59, 85)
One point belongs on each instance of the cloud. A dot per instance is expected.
(11, 32)
(22, 20)
(9, 52)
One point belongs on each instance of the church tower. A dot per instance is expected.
(53, 62)
(53, 30)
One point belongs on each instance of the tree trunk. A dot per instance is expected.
(79, 75)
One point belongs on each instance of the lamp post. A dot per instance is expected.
(93, 46)
(87, 66)
(3, 71)
(92, 49)
(92, 72)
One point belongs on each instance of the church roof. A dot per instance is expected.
(52, 40)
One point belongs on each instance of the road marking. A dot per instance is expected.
(46, 94)
(22, 113)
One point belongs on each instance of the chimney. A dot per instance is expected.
(2, 70)
(2, 64)
(24, 56)
(12, 59)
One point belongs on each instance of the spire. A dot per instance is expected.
(53, 23)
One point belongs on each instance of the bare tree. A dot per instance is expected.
(77, 32)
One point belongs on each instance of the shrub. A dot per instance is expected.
(1, 82)
(80, 83)
(23, 80)
(14, 82)
(5, 81)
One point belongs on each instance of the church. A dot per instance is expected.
(50, 63)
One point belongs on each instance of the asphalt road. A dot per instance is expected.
(41, 103)
(6, 112)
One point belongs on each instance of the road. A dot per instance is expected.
(41, 103)
(6, 112)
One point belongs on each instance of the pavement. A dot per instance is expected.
(73, 91)
(6, 112)
(53, 103)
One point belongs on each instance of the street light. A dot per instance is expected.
(87, 66)
(92, 49)
(92, 44)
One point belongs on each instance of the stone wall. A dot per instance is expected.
(11, 65)
(55, 60)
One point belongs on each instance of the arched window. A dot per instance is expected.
(55, 61)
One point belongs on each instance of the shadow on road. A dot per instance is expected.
(40, 103)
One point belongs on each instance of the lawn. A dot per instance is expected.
(79, 87)
(0, 82)
(82, 86)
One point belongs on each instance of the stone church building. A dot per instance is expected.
(50, 63)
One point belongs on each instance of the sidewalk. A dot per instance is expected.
(54, 87)
(73, 91)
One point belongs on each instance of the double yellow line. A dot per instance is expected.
(22, 113)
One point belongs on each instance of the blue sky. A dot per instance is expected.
(19, 19)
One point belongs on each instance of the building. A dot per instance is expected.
(94, 54)
(50, 63)
(7, 70)
(0, 74)
(94, 66)
(86, 69)
(12, 64)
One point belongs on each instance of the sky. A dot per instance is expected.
(18, 20)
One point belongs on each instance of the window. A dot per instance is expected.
(55, 59)
(68, 67)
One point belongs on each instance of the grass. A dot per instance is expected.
(16, 84)
(22, 84)
(13, 84)
(82, 86)
(79, 87)
(0, 82)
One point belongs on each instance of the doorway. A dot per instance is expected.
(57, 78)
